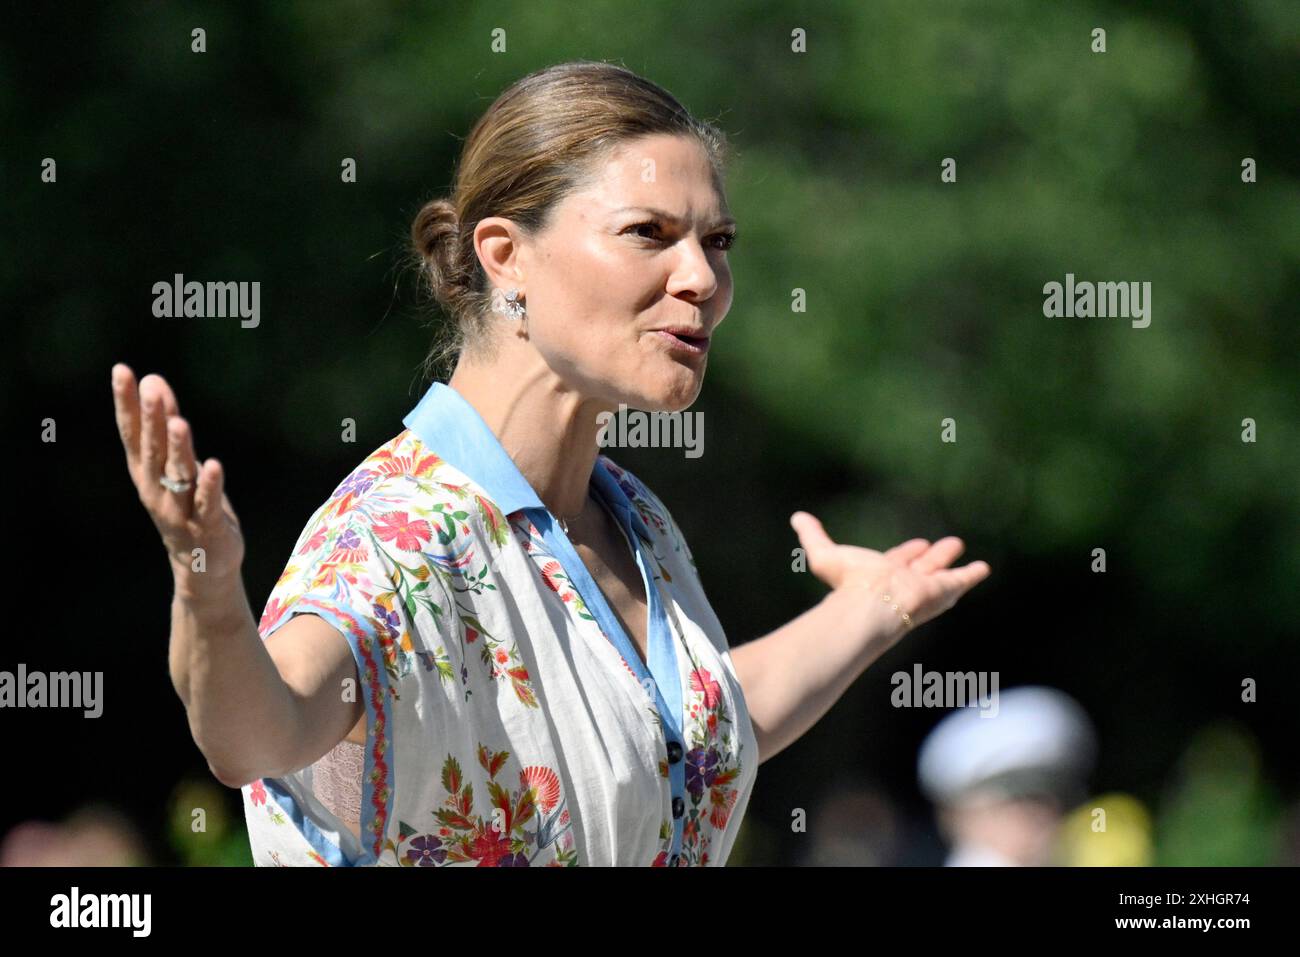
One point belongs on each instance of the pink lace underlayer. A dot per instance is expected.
(336, 779)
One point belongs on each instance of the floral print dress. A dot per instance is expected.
(509, 719)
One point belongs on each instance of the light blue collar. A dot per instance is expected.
(452, 428)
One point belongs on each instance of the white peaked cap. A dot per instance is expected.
(1040, 739)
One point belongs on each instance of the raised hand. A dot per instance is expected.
(159, 445)
(914, 574)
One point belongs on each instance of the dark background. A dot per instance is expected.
(924, 301)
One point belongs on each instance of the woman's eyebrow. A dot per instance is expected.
(662, 214)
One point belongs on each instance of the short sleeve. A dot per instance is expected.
(339, 570)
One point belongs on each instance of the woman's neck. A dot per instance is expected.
(548, 430)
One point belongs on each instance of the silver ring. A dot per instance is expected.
(174, 485)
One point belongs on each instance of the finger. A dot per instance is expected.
(939, 555)
(812, 536)
(180, 460)
(208, 493)
(170, 404)
(153, 434)
(229, 511)
(904, 553)
(961, 580)
(126, 406)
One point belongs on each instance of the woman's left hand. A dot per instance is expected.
(914, 574)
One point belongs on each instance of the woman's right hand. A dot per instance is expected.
(158, 442)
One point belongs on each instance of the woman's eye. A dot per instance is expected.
(727, 239)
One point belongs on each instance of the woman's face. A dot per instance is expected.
(639, 251)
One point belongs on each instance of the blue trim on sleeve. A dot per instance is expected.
(321, 844)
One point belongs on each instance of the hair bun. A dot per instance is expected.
(435, 234)
(434, 224)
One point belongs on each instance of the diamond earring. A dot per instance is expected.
(513, 308)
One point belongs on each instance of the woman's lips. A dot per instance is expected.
(694, 345)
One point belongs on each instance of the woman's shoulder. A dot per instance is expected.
(403, 456)
(398, 472)
(401, 489)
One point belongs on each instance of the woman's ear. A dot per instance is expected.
(499, 245)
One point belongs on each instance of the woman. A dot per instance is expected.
(490, 645)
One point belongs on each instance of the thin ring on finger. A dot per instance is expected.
(179, 486)
(180, 456)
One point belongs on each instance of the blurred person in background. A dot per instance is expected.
(92, 837)
(1001, 784)
(855, 825)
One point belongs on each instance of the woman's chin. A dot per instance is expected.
(658, 384)
(677, 394)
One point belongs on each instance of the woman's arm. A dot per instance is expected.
(254, 709)
(258, 709)
(793, 676)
